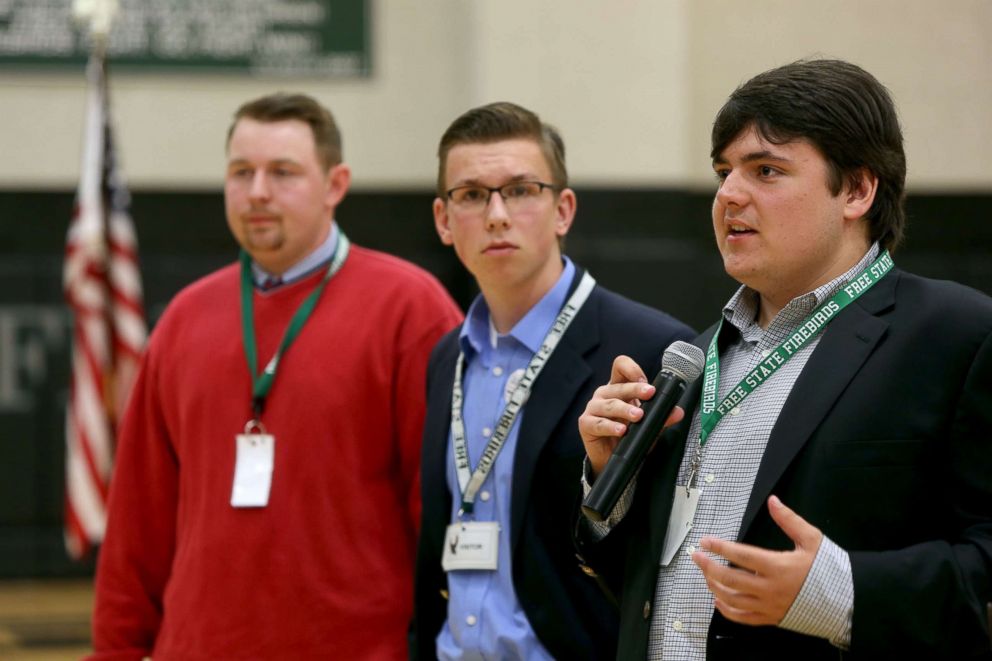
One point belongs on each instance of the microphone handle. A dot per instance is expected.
(633, 447)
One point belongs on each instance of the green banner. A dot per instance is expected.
(306, 38)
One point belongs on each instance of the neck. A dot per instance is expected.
(772, 300)
(509, 304)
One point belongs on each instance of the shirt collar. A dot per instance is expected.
(478, 335)
(320, 256)
(742, 308)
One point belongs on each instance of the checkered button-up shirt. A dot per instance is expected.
(731, 456)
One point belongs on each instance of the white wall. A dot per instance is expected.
(632, 84)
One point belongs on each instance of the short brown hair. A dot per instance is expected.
(282, 106)
(845, 113)
(503, 121)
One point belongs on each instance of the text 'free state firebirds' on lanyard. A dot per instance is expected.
(255, 448)
(686, 498)
(474, 544)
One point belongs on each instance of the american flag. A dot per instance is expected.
(103, 288)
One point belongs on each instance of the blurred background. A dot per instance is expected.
(633, 85)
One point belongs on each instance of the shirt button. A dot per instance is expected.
(690, 550)
(647, 609)
(709, 478)
(677, 625)
(471, 620)
(486, 432)
(766, 353)
(735, 410)
(484, 495)
(498, 371)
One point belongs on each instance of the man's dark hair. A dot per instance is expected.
(503, 121)
(844, 112)
(281, 106)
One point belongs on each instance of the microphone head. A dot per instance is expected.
(684, 360)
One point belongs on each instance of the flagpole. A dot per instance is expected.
(103, 288)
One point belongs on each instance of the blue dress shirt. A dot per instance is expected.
(485, 620)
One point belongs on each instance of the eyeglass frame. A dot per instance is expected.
(499, 189)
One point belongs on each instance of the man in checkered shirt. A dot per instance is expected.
(838, 503)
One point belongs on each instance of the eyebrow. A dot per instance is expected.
(474, 181)
(753, 156)
(278, 161)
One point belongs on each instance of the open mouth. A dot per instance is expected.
(736, 229)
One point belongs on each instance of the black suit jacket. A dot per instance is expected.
(885, 444)
(569, 613)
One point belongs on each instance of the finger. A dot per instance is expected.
(630, 392)
(614, 409)
(738, 600)
(596, 428)
(626, 370)
(677, 414)
(805, 535)
(743, 595)
(730, 579)
(745, 556)
(740, 615)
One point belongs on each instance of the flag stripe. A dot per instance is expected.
(103, 289)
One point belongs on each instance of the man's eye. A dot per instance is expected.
(241, 173)
(722, 173)
(767, 171)
(473, 195)
(517, 190)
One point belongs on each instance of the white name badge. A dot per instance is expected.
(680, 522)
(470, 545)
(253, 470)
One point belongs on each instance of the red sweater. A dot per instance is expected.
(325, 570)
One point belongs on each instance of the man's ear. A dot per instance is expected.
(565, 208)
(441, 222)
(338, 181)
(859, 194)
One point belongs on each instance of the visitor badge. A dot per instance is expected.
(470, 545)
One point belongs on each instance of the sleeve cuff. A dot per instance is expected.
(825, 604)
(599, 529)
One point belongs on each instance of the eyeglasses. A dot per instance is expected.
(518, 196)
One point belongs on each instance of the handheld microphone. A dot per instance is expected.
(681, 364)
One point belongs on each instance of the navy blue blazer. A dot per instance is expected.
(568, 611)
(885, 444)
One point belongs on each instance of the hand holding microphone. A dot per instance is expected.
(611, 411)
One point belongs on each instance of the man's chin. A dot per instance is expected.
(262, 242)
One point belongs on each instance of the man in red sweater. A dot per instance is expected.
(265, 498)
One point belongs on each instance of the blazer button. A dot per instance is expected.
(587, 570)
(647, 609)
(444, 593)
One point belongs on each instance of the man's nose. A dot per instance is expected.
(732, 192)
(259, 186)
(497, 215)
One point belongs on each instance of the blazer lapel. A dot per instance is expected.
(846, 344)
(554, 391)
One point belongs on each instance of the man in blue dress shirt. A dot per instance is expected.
(497, 577)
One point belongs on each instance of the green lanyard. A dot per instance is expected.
(710, 413)
(262, 383)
